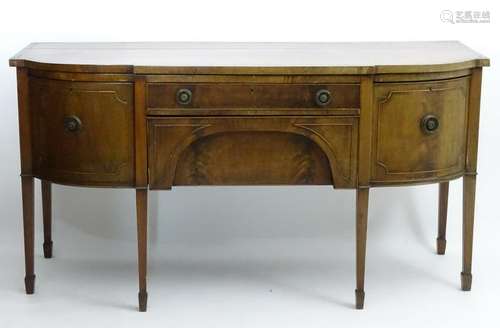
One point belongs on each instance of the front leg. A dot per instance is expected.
(361, 231)
(442, 217)
(29, 232)
(47, 218)
(142, 244)
(469, 193)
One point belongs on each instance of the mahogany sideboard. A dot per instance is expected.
(152, 116)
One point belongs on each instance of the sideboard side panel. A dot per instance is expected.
(141, 155)
(473, 121)
(365, 132)
(25, 122)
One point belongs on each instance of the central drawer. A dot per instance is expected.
(252, 98)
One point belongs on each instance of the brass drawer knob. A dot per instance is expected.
(184, 96)
(429, 124)
(72, 123)
(323, 97)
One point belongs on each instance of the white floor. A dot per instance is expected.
(236, 277)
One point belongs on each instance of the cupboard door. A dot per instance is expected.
(83, 132)
(420, 130)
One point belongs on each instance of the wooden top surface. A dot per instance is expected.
(250, 58)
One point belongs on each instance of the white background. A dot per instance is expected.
(248, 257)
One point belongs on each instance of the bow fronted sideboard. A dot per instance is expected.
(152, 116)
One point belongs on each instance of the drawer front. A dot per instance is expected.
(252, 151)
(188, 98)
(420, 130)
(82, 132)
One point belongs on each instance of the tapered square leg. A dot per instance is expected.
(142, 237)
(469, 192)
(29, 232)
(361, 231)
(442, 217)
(47, 218)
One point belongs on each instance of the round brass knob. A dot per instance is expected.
(184, 96)
(72, 123)
(429, 124)
(323, 97)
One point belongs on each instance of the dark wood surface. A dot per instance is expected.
(88, 117)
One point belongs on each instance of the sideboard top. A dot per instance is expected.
(250, 58)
